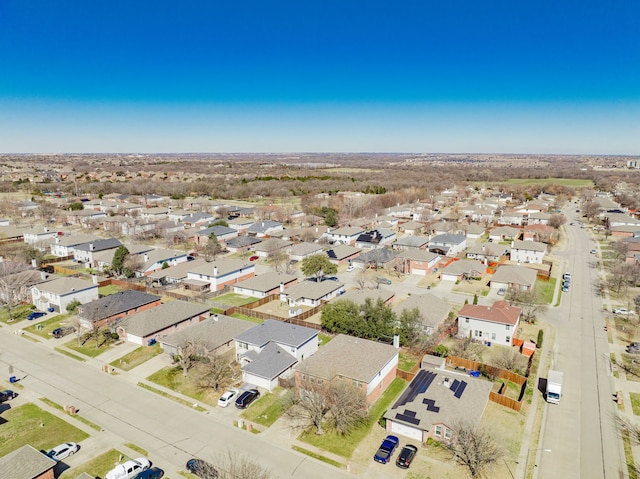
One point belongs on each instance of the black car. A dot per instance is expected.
(61, 332)
(201, 468)
(152, 473)
(406, 456)
(247, 398)
(6, 395)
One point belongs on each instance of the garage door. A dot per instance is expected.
(408, 431)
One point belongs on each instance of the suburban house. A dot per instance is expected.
(342, 254)
(265, 284)
(59, 292)
(110, 309)
(488, 251)
(462, 269)
(272, 247)
(504, 233)
(513, 218)
(528, 251)
(376, 258)
(620, 219)
(156, 259)
(300, 251)
(541, 233)
(448, 244)
(84, 253)
(495, 324)
(436, 401)
(149, 326)
(264, 228)
(65, 245)
(27, 463)
(222, 233)
(417, 261)
(513, 276)
(346, 235)
(84, 217)
(242, 243)
(222, 272)
(359, 296)
(538, 218)
(215, 334)
(443, 227)
(240, 224)
(175, 274)
(271, 349)
(411, 242)
(367, 365)
(473, 230)
(434, 311)
(411, 228)
(194, 220)
(39, 237)
(375, 238)
(311, 293)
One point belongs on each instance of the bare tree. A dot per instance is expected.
(529, 301)
(511, 360)
(557, 220)
(234, 465)
(218, 372)
(361, 279)
(186, 355)
(212, 248)
(467, 349)
(15, 277)
(474, 448)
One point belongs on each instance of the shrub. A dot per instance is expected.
(540, 337)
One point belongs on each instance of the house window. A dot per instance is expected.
(478, 333)
(508, 327)
(438, 431)
(466, 320)
(293, 349)
(304, 377)
(508, 339)
(447, 433)
(243, 345)
(493, 336)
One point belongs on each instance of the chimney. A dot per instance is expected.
(396, 341)
(146, 257)
(215, 317)
(34, 264)
(43, 275)
(281, 287)
(215, 271)
(445, 383)
(92, 247)
(94, 278)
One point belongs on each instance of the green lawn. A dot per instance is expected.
(20, 312)
(406, 360)
(96, 467)
(247, 318)
(137, 357)
(345, 445)
(546, 289)
(267, 409)
(635, 403)
(28, 424)
(323, 339)
(233, 299)
(572, 182)
(44, 328)
(89, 347)
(108, 290)
(172, 378)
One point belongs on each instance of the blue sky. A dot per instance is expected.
(407, 76)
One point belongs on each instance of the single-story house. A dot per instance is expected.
(462, 269)
(538, 218)
(240, 224)
(434, 402)
(114, 307)
(376, 258)
(342, 254)
(272, 247)
(496, 324)
(39, 237)
(177, 273)
(411, 242)
(222, 272)
(359, 296)
(417, 261)
(473, 230)
(58, 293)
(528, 251)
(27, 463)
(512, 276)
(434, 310)
(223, 234)
(147, 327)
(367, 365)
(242, 243)
(264, 228)
(504, 233)
(271, 349)
(156, 259)
(411, 228)
(265, 284)
(300, 251)
(311, 293)
(513, 218)
(541, 233)
(377, 238)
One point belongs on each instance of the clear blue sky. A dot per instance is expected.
(329, 75)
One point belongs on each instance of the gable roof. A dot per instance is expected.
(447, 238)
(512, 274)
(500, 312)
(25, 463)
(304, 249)
(342, 251)
(67, 285)
(218, 230)
(529, 246)
(313, 290)
(99, 245)
(211, 333)
(270, 362)
(156, 319)
(346, 356)
(241, 241)
(263, 226)
(359, 296)
(115, 304)
(266, 282)
(178, 271)
(278, 331)
(464, 266)
(346, 231)
(433, 309)
(225, 266)
(419, 255)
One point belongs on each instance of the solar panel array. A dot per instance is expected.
(408, 416)
(419, 385)
(331, 254)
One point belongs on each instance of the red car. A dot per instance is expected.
(254, 258)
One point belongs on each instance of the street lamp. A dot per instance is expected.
(526, 464)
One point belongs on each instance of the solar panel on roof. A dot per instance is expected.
(419, 385)
(409, 413)
(410, 420)
(460, 389)
(454, 385)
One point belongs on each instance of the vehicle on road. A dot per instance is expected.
(254, 258)
(7, 394)
(385, 451)
(201, 468)
(554, 387)
(247, 398)
(63, 451)
(35, 315)
(129, 469)
(152, 473)
(406, 456)
(227, 397)
(622, 311)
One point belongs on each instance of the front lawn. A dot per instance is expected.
(267, 409)
(345, 445)
(28, 424)
(20, 312)
(44, 328)
(88, 346)
(137, 357)
(96, 467)
(233, 299)
(189, 385)
(546, 289)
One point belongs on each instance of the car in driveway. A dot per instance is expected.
(501, 292)
(63, 451)
(201, 468)
(382, 280)
(385, 451)
(350, 268)
(7, 394)
(151, 473)
(35, 315)
(247, 398)
(405, 458)
(227, 397)
(623, 311)
(255, 257)
(62, 332)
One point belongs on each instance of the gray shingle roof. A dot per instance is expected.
(99, 245)
(210, 333)
(412, 241)
(433, 309)
(225, 266)
(25, 463)
(312, 290)
(270, 362)
(529, 246)
(282, 333)
(512, 274)
(62, 286)
(115, 304)
(217, 230)
(349, 357)
(153, 320)
(265, 282)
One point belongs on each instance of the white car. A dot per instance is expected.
(623, 311)
(129, 469)
(227, 398)
(350, 268)
(63, 451)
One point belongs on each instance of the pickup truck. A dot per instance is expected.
(386, 449)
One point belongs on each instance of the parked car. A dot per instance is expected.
(152, 473)
(7, 394)
(633, 348)
(63, 451)
(61, 332)
(201, 468)
(330, 278)
(226, 398)
(129, 469)
(566, 275)
(385, 451)
(501, 292)
(254, 257)
(623, 311)
(382, 280)
(565, 289)
(593, 251)
(247, 398)
(406, 456)
(35, 315)
(350, 268)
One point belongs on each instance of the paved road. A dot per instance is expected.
(579, 434)
(172, 433)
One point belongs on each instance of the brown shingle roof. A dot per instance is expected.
(500, 312)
